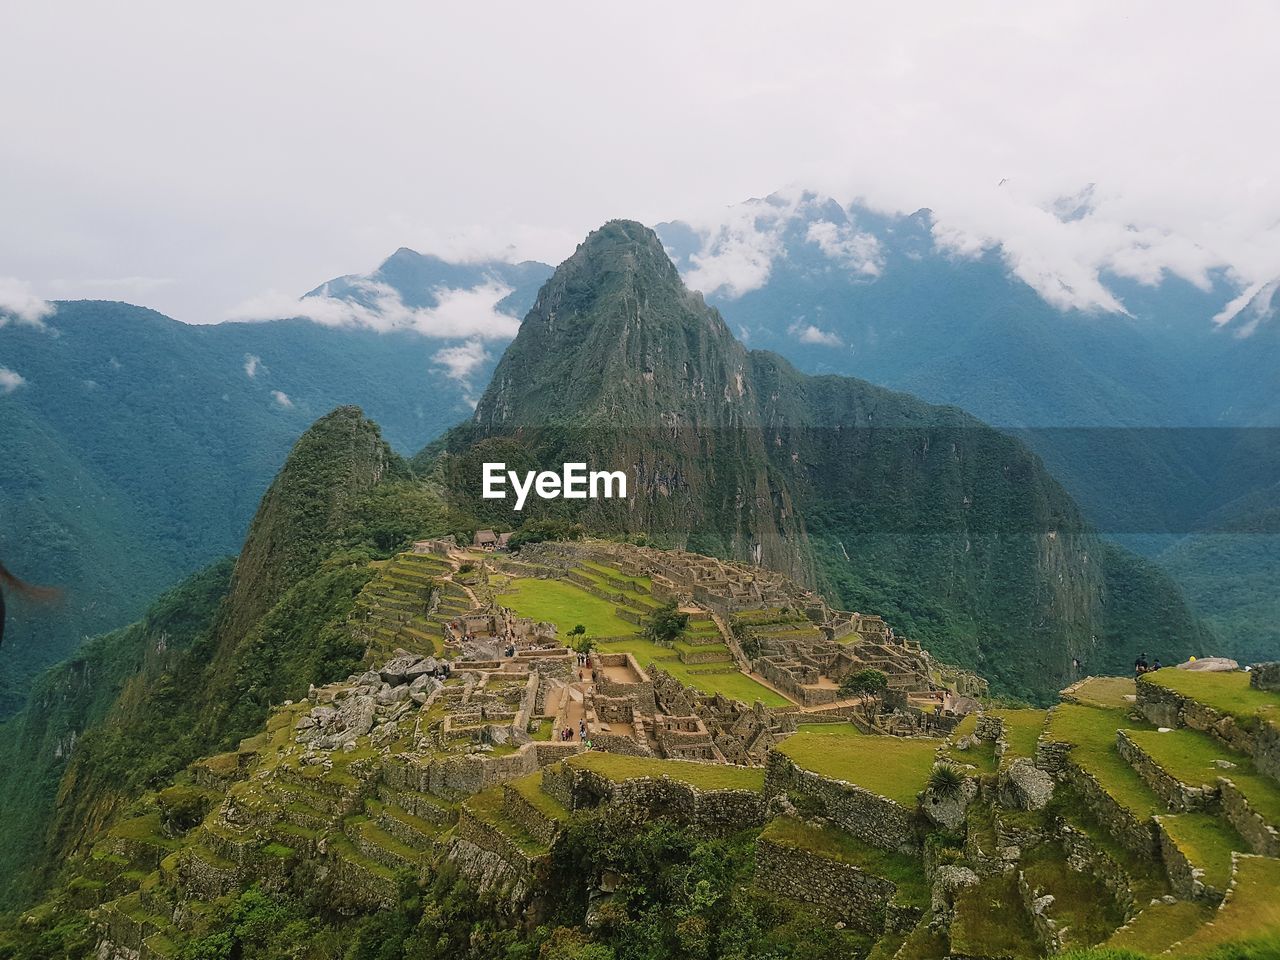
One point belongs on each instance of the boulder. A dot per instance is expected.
(422, 668)
(497, 735)
(1024, 786)
(383, 733)
(396, 671)
(389, 695)
(949, 881)
(948, 810)
(354, 720)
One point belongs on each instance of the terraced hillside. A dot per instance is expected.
(408, 605)
(614, 606)
(477, 753)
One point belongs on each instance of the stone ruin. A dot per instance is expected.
(790, 636)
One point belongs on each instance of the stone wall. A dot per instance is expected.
(1086, 856)
(1178, 796)
(839, 891)
(1261, 837)
(717, 812)
(1185, 879)
(1166, 708)
(520, 811)
(868, 816)
(458, 776)
(1265, 676)
(1127, 830)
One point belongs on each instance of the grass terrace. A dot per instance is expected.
(889, 766)
(1227, 693)
(1252, 910)
(1021, 731)
(1081, 901)
(836, 730)
(991, 922)
(1207, 842)
(1160, 925)
(487, 806)
(704, 776)
(1106, 691)
(530, 788)
(1189, 756)
(906, 872)
(566, 605)
(1092, 733)
(709, 678)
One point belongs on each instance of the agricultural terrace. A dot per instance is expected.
(704, 776)
(1228, 693)
(567, 604)
(896, 768)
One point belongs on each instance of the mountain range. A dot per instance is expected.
(140, 444)
(884, 502)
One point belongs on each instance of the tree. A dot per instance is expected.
(579, 640)
(666, 624)
(869, 684)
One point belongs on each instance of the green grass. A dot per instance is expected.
(1107, 692)
(1021, 731)
(145, 829)
(967, 726)
(566, 605)
(487, 805)
(1227, 693)
(981, 755)
(889, 766)
(1188, 756)
(731, 682)
(1159, 925)
(830, 729)
(704, 776)
(1147, 877)
(1081, 901)
(991, 922)
(1252, 910)
(1206, 841)
(906, 872)
(530, 788)
(1092, 732)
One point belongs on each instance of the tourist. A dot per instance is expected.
(1140, 665)
(1155, 664)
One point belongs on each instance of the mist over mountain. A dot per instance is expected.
(138, 447)
(1157, 411)
(141, 444)
(886, 503)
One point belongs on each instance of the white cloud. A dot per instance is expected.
(844, 243)
(808, 333)
(879, 101)
(739, 246)
(251, 364)
(462, 361)
(1254, 306)
(459, 312)
(282, 398)
(10, 380)
(18, 303)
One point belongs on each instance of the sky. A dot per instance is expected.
(204, 158)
